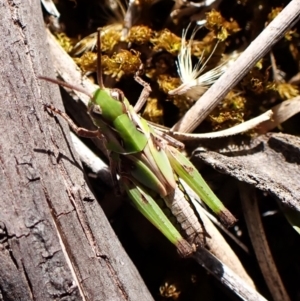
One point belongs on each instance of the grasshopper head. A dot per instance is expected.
(106, 104)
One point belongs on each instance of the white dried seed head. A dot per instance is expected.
(193, 83)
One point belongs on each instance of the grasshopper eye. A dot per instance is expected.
(117, 94)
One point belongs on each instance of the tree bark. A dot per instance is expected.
(55, 241)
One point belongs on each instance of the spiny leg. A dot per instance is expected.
(145, 93)
(82, 132)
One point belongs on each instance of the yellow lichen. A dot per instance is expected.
(65, 42)
(122, 63)
(274, 13)
(284, 90)
(154, 111)
(139, 35)
(167, 83)
(169, 291)
(110, 39)
(166, 40)
(87, 62)
(221, 27)
(229, 112)
(255, 81)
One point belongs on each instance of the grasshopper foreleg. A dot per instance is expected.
(82, 132)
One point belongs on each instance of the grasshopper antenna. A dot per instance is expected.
(67, 85)
(99, 62)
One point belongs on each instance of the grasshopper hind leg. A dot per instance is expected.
(187, 216)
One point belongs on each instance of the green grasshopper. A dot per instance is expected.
(148, 161)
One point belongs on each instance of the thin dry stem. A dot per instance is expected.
(260, 244)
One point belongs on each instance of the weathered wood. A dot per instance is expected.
(270, 163)
(56, 242)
